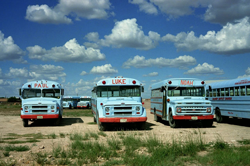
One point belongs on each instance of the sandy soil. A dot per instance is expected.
(231, 132)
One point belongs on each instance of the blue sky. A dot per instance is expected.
(77, 43)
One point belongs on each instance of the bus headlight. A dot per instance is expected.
(137, 108)
(107, 109)
(26, 108)
(178, 109)
(52, 107)
(208, 109)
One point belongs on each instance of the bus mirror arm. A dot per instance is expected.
(210, 88)
(162, 88)
(62, 92)
(20, 92)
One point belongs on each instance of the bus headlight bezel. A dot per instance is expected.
(52, 107)
(209, 109)
(107, 109)
(137, 108)
(26, 107)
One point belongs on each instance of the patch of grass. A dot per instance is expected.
(76, 136)
(244, 141)
(20, 148)
(6, 153)
(102, 134)
(52, 136)
(94, 135)
(77, 112)
(62, 135)
(21, 142)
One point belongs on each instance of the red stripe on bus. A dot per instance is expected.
(159, 110)
(54, 116)
(117, 120)
(189, 117)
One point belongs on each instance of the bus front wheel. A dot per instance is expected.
(172, 123)
(219, 117)
(25, 122)
(101, 126)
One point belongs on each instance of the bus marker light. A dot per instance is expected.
(170, 82)
(103, 82)
(134, 82)
(101, 104)
(168, 100)
(202, 82)
(29, 86)
(137, 112)
(53, 85)
(107, 113)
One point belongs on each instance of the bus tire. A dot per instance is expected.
(101, 126)
(70, 107)
(58, 121)
(218, 116)
(25, 122)
(94, 119)
(172, 123)
(207, 123)
(156, 118)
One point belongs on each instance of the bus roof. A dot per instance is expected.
(42, 84)
(179, 82)
(85, 97)
(73, 97)
(118, 81)
(231, 83)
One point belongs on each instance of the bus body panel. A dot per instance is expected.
(231, 97)
(41, 100)
(189, 106)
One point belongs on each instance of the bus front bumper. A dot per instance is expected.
(123, 120)
(42, 116)
(191, 117)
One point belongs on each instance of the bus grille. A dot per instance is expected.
(123, 113)
(122, 108)
(40, 106)
(39, 110)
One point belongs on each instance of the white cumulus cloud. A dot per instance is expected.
(231, 39)
(205, 69)
(71, 51)
(179, 62)
(89, 9)
(9, 50)
(127, 33)
(145, 6)
(153, 74)
(104, 69)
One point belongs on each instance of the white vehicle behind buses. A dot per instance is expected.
(178, 99)
(230, 98)
(85, 102)
(118, 100)
(41, 100)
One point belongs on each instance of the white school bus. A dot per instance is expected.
(41, 100)
(230, 98)
(118, 100)
(85, 102)
(178, 99)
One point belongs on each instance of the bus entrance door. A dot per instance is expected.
(164, 106)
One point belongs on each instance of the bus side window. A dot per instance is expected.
(242, 91)
(218, 92)
(227, 91)
(231, 91)
(237, 93)
(248, 90)
(214, 92)
(222, 92)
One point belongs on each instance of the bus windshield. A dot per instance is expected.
(85, 99)
(118, 91)
(32, 93)
(186, 91)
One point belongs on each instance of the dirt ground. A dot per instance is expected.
(230, 132)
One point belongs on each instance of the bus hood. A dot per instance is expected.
(189, 101)
(113, 102)
(39, 101)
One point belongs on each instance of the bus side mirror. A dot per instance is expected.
(20, 92)
(62, 92)
(210, 88)
(142, 89)
(162, 89)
